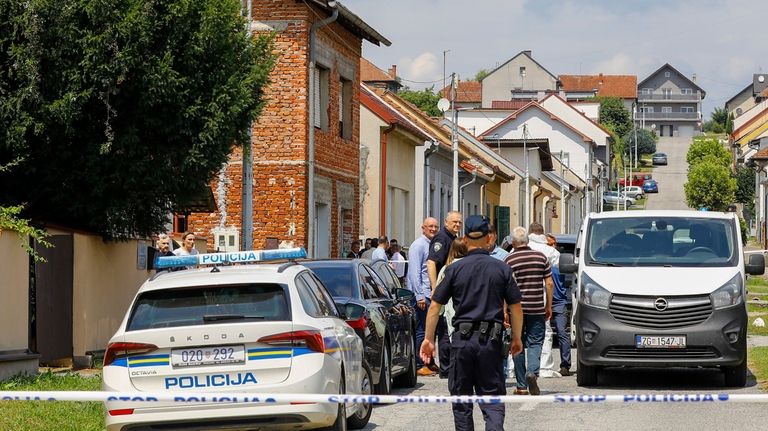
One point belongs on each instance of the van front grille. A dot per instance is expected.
(642, 311)
(631, 352)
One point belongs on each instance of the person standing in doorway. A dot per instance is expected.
(355, 253)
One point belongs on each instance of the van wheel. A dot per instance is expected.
(363, 414)
(586, 375)
(736, 377)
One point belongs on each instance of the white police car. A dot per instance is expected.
(250, 329)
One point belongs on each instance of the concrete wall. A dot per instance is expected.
(370, 169)
(401, 188)
(105, 281)
(500, 83)
(14, 291)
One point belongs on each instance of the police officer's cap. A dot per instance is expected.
(476, 226)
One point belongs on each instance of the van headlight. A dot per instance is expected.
(732, 293)
(592, 294)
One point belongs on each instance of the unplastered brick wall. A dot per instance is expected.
(280, 137)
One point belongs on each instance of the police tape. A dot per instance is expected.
(235, 398)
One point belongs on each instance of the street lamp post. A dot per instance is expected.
(526, 203)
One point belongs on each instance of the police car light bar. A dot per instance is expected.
(248, 256)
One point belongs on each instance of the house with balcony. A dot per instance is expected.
(670, 103)
(580, 88)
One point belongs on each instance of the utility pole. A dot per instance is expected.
(455, 144)
(444, 52)
(562, 193)
(526, 203)
(247, 181)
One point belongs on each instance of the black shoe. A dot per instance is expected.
(533, 387)
(565, 372)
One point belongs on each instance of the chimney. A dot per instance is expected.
(393, 71)
(693, 78)
(527, 52)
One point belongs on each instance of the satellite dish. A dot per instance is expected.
(443, 104)
(761, 78)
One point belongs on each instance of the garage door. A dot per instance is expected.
(685, 131)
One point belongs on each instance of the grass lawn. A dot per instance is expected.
(757, 360)
(51, 415)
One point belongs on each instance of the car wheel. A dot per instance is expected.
(586, 375)
(408, 380)
(363, 414)
(340, 424)
(385, 379)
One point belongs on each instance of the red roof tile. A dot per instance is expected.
(369, 72)
(623, 86)
(468, 92)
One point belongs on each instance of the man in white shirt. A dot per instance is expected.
(397, 261)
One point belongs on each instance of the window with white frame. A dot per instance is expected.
(321, 100)
(667, 92)
(666, 109)
(646, 91)
(646, 109)
(686, 91)
(688, 109)
(667, 74)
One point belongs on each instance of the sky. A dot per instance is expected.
(723, 42)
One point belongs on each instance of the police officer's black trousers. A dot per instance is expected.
(476, 370)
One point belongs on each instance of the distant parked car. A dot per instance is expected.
(651, 186)
(636, 180)
(615, 198)
(659, 159)
(635, 192)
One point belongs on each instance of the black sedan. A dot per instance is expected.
(387, 326)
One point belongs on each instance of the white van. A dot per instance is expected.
(661, 289)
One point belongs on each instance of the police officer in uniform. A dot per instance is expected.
(479, 285)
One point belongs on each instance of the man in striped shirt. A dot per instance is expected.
(534, 278)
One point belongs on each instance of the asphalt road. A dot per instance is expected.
(671, 177)
(594, 416)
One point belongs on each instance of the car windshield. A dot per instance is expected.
(205, 305)
(338, 280)
(661, 241)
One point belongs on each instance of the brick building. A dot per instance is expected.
(306, 156)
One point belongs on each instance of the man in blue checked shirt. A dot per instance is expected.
(418, 282)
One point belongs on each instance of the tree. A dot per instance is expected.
(482, 73)
(426, 100)
(710, 186)
(646, 142)
(745, 189)
(613, 113)
(720, 116)
(701, 148)
(120, 111)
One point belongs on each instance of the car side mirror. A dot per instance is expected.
(404, 294)
(568, 264)
(755, 264)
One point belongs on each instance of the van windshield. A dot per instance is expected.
(662, 241)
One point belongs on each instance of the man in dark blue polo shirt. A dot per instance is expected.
(478, 285)
(438, 254)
